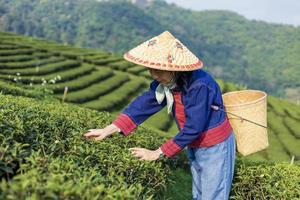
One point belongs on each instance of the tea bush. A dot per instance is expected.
(262, 180)
(32, 63)
(39, 93)
(65, 75)
(117, 99)
(83, 81)
(42, 148)
(16, 52)
(136, 69)
(16, 58)
(122, 65)
(98, 89)
(294, 126)
(44, 69)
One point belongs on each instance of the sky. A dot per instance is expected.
(275, 11)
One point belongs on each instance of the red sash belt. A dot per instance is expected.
(213, 136)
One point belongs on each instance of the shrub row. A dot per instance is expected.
(65, 75)
(44, 69)
(96, 57)
(293, 125)
(290, 142)
(276, 150)
(82, 81)
(7, 88)
(16, 58)
(136, 69)
(8, 47)
(292, 110)
(40, 54)
(47, 150)
(98, 89)
(16, 52)
(146, 74)
(276, 105)
(30, 63)
(106, 61)
(264, 180)
(121, 65)
(118, 98)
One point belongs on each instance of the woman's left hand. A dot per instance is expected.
(145, 154)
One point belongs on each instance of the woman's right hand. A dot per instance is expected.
(100, 134)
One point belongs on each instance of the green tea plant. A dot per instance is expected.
(98, 89)
(43, 148)
(262, 180)
(31, 63)
(82, 81)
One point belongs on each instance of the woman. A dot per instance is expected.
(189, 94)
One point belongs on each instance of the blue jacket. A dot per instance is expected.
(199, 125)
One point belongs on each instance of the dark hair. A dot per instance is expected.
(181, 77)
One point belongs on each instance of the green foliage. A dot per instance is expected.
(293, 126)
(28, 64)
(292, 110)
(82, 81)
(122, 65)
(290, 142)
(252, 180)
(229, 87)
(137, 69)
(276, 105)
(39, 93)
(15, 52)
(146, 74)
(16, 58)
(98, 89)
(276, 150)
(106, 61)
(42, 148)
(43, 69)
(162, 120)
(118, 99)
(221, 85)
(263, 180)
(65, 75)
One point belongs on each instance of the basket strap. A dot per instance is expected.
(214, 107)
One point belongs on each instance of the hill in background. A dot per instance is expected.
(265, 55)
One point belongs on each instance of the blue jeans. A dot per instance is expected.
(212, 169)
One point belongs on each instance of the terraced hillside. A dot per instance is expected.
(100, 80)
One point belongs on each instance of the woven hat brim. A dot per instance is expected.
(163, 66)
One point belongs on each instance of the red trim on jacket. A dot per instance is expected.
(213, 136)
(125, 123)
(170, 148)
(179, 109)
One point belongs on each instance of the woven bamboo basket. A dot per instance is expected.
(251, 105)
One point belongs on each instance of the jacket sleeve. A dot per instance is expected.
(139, 110)
(197, 111)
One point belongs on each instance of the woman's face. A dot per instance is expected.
(161, 76)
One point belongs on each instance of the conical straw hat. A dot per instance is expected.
(164, 52)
